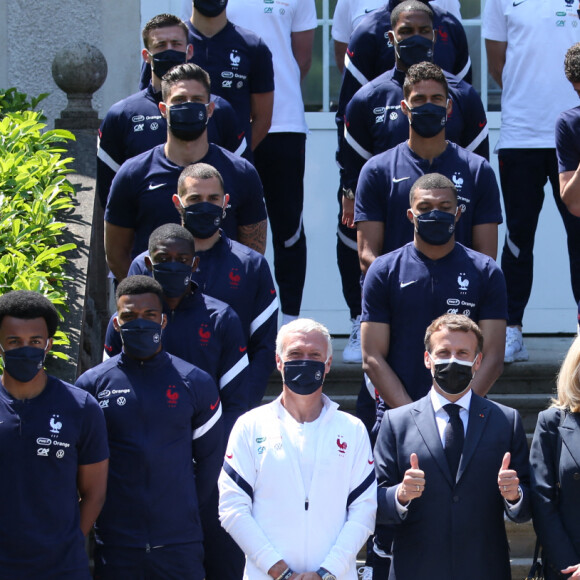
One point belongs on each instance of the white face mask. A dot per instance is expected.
(447, 361)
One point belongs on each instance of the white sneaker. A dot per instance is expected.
(515, 349)
(286, 318)
(352, 352)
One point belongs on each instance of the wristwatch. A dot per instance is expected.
(325, 574)
(348, 193)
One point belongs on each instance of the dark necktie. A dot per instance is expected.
(453, 437)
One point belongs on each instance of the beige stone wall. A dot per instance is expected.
(32, 32)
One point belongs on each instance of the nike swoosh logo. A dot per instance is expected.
(405, 284)
(229, 456)
(157, 186)
(212, 407)
(518, 3)
(368, 10)
(370, 462)
(397, 179)
(243, 349)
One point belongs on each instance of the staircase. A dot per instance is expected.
(526, 386)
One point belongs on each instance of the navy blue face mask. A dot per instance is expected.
(164, 61)
(174, 277)
(141, 338)
(210, 8)
(24, 363)
(414, 49)
(435, 227)
(187, 121)
(304, 377)
(203, 219)
(428, 120)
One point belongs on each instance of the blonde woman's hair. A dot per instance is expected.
(568, 380)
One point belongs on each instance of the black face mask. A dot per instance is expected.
(164, 61)
(435, 227)
(187, 121)
(304, 377)
(174, 277)
(453, 376)
(428, 120)
(414, 49)
(203, 219)
(210, 8)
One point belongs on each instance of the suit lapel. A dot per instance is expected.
(479, 411)
(424, 418)
(570, 433)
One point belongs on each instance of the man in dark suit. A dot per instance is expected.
(449, 466)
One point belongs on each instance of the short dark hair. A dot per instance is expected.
(454, 323)
(199, 171)
(27, 305)
(170, 232)
(184, 72)
(134, 285)
(424, 71)
(409, 6)
(572, 63)
(162, 21)
(432, 181)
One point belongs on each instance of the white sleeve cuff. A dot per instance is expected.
(513, 506)
(402, 510)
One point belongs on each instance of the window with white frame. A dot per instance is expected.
(322, 85)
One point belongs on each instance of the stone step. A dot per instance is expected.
(527, 405)
(526, 386)
(538, 374)
(520, 567)
(522, 541)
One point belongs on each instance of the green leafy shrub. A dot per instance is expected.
(13, 101)
(34, 192)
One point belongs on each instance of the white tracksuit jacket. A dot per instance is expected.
(263, 504)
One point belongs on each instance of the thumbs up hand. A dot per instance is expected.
(507, 480)
(413, 483)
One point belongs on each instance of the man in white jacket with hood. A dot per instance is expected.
(298, 489)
